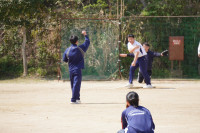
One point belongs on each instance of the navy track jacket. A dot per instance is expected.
(137, 120)
(75, 58)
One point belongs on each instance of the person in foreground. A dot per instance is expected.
(74, 55)
(135, 118)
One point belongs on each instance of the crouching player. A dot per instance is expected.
(135, 118)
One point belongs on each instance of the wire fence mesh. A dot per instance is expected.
(156, 31)
(102, 55)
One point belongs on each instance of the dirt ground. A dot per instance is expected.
(29, 106)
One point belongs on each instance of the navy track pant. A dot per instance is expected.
(141, 78)
(142, 64)
(75, 78)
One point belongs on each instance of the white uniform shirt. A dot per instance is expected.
(141, 50)
(199, 49)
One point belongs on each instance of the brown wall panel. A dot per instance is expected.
(176, 48)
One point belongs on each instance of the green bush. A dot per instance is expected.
(41, 72)
(10, 67)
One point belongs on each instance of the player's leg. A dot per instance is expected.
(143, 69)
(76, 85)
(150, 73)
(71, 79)
(73, 99)
(131, 75)
(140, 77)
(131, 72)
(79, 84)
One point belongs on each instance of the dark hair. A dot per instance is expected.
(133, 98)
(146, 44)
(131, 35)
(73, 39)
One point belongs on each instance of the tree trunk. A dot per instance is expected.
(110, 8)
(24, 51)
(121, 8)
(117, 9)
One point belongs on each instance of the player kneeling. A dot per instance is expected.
(135, 118)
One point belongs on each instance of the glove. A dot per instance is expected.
(165, 53)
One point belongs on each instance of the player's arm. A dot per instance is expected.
(164, 53)
(135, 59)
(127, 55)
(156, 54)
(123, 120)
(133, 49)
(123, 55)
(86, 44)
(64, 57)
(130, 55)
(153, 125)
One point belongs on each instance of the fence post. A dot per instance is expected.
(119, 48)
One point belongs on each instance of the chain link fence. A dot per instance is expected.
(102, 56)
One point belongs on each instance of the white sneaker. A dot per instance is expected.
(129, 85)
(148, 86)
(78, 101)
(73, 103)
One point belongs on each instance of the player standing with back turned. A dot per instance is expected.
(74, 55)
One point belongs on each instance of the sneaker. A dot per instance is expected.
(78, 101)
(129, 85)
(148, 86)
(73, 103)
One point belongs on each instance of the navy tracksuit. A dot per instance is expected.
(75, 61)
(149, 58)
(137, 120)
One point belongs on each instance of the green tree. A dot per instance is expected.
(24, 14)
